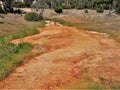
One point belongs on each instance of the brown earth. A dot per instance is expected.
(74, 20)
(63, 53)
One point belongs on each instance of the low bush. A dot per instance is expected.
(64, 6)
(86, 10)
(106, 6)
(32, 16)
(19, 5)
(80, 6)
(99, 10)
(58, 9)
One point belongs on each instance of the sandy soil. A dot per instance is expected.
(63, 53)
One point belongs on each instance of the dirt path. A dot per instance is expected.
(60, 50)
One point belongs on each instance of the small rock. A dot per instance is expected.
(20, 70)
(18, 75)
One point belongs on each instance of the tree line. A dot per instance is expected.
(67, 4)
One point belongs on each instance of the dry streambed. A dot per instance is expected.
(63, 55)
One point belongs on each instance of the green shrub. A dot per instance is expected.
(4, 39)
(23, 47)
(64, 6)
(58, 9)
(19, 4)
(106, 6)
(99, 10)
(86, 10)
(80, 6)
(32, 16)
(12, 55)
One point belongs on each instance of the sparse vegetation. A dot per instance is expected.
(115, 35)
(84, 82)
(32, 16)
(26, 32)
(99, 10)
(86, 11)
(92, 73)
(18, 4)
(12, 55)
(39, 7)
(58, 9)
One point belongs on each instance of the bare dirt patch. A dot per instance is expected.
(66, 52)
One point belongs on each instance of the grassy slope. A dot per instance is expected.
(12, 55)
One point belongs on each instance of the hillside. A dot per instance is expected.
(66, 56)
